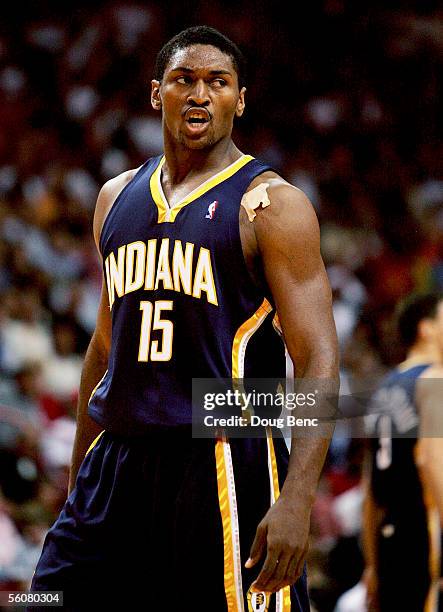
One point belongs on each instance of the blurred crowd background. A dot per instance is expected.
(343, 99)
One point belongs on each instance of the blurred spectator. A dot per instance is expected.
(24, 336)
(61, 371)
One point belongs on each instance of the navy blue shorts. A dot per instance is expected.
(153, 524)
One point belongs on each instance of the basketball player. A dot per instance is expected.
(404, 497)
(200, 247)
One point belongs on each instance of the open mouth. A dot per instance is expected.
(195, 120)
(197, 116)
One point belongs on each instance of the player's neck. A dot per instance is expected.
(424, 353)
(182, 163)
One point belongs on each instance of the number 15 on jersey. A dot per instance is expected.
(149, 350)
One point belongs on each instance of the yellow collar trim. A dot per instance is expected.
(166, 214)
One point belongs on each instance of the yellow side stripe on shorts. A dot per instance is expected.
(283, 597)
(95, 442)
(231, 538)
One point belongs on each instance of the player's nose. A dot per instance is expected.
(199, 95)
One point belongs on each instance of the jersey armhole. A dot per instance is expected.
(116, 201)
(235, 233)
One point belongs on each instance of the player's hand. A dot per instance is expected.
(283, 535)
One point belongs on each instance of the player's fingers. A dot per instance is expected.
(268, 569)
(276, 582)
(292, 572)
(300, 565)
(257, 548)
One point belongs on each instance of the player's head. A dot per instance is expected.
(199, 86)
(201, 35)
(420, 320)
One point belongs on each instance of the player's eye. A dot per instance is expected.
(218, 82)
(183, 80)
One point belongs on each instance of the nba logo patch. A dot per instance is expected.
(258, 602)
(211, 210)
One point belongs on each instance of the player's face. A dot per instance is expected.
(199, 96)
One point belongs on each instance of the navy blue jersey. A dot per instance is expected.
(405, 542)
(395, 420)
(183, 303)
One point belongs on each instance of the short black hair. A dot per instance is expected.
(201, 35)
(414, 309)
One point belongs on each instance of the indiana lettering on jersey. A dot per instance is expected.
(150, 266)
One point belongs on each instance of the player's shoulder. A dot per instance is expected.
(278, 188)
(282, 202)
(427, 390)
(107, 196)
(433, 371)
(112, 187)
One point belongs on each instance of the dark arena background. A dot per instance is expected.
(343, 99)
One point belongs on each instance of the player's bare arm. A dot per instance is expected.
(96, 359)
(372, 519)
(429, 455)
(284, 252)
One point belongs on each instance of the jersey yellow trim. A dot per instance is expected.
(168, 214)
(277, 325)
(283, 596)
(95, 442)
(97, 386)
(242, 336)
(231, 542)
(157, 194)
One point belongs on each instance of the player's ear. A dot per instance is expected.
(426, 329)
(241, 102)
(156, 100)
